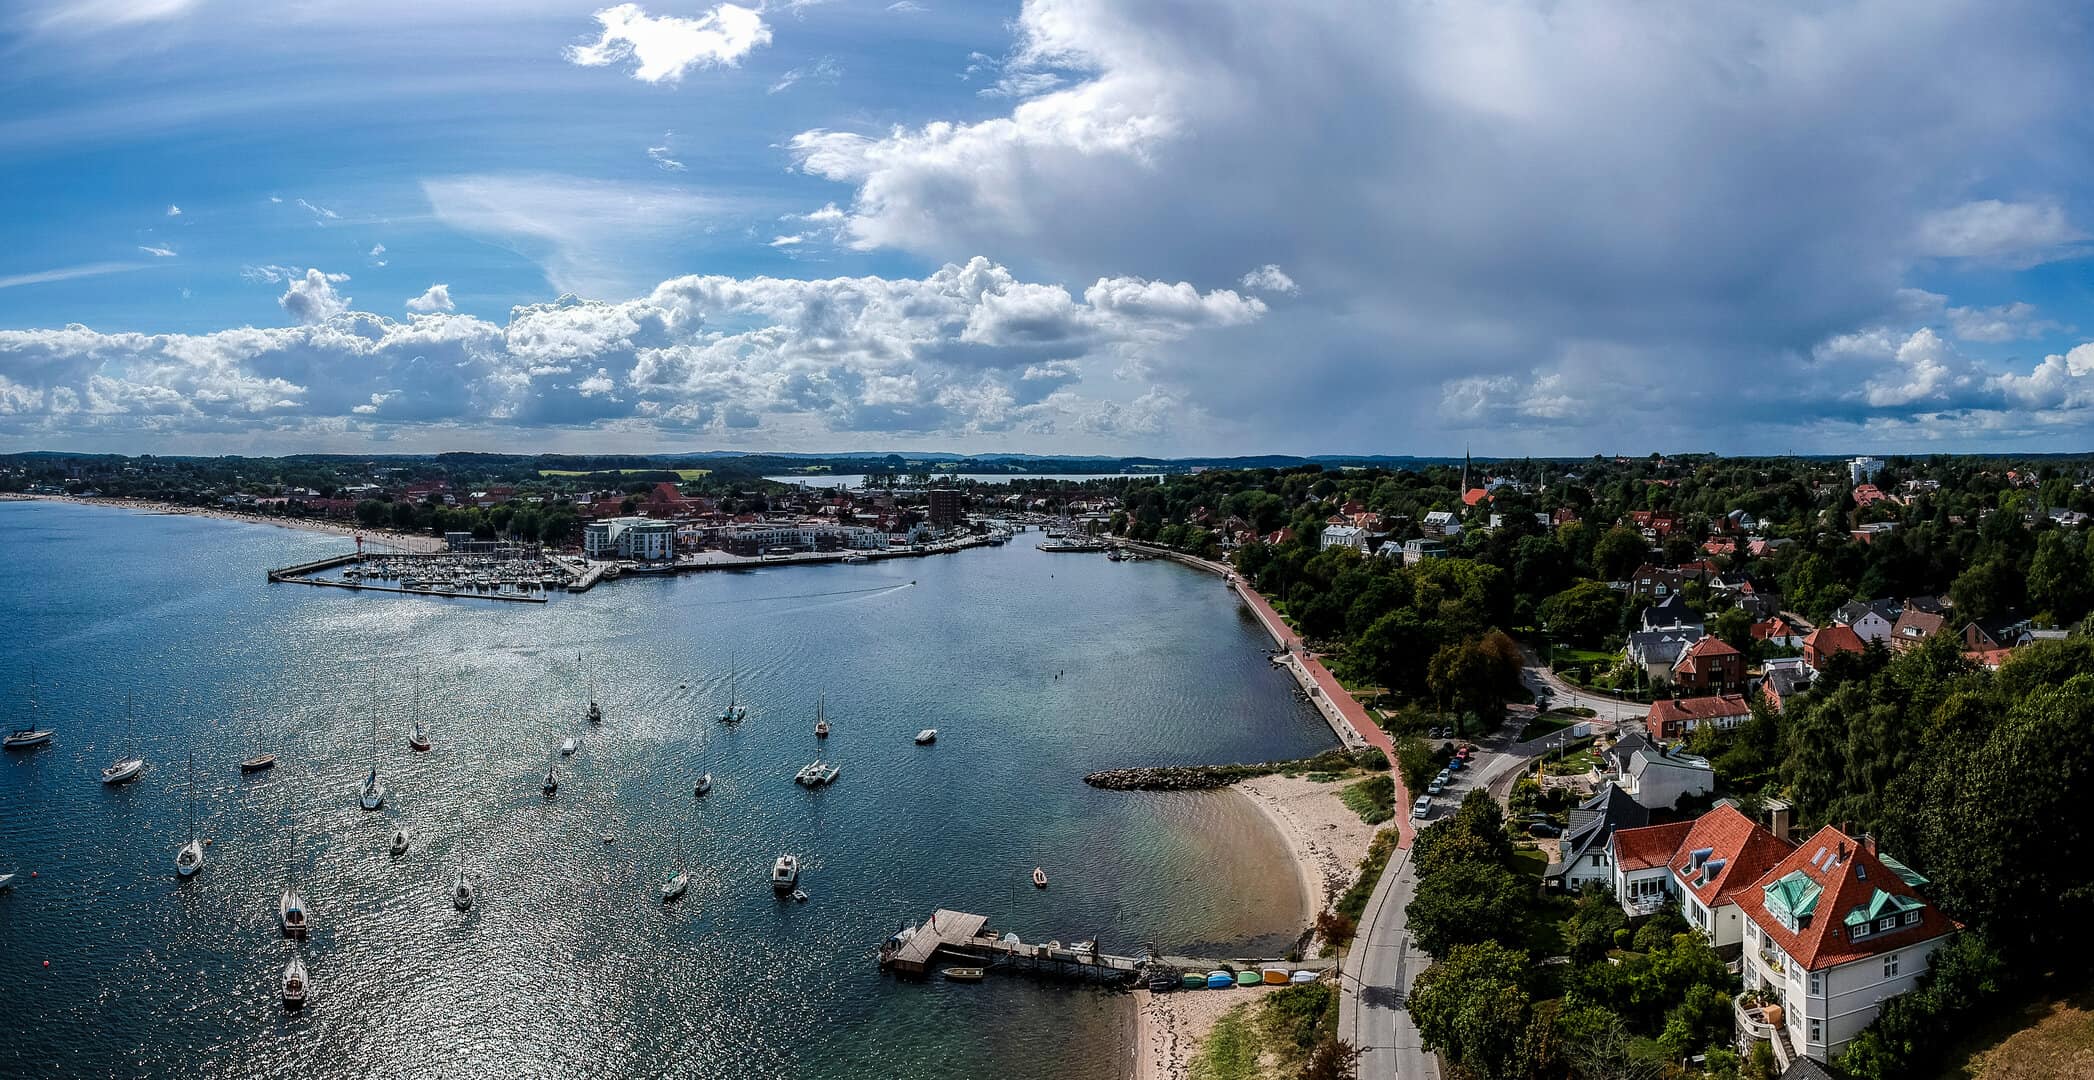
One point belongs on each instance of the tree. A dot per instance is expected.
(1989, 588)
(1583, 614)
(1590, 929)
(1465, 903)
(2058, 580)
(1734, 628)
(1472, 1007)
(1618, 553)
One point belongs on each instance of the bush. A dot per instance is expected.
(1371, 758)
(1374, 799)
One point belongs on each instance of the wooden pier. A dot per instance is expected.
(358, 586)
(965, 938)
(288, 573)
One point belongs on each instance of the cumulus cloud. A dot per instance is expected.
(967, 350)
(433, 299)
(173, 210)
(1270, 278)
(664, 47)
(312, 299)
(376, 255)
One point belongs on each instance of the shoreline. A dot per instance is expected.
(1326, 841)
(311, 525)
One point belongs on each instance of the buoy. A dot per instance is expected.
(47, 963)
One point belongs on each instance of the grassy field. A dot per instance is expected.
(1272, 1036)
(687, 474)
(2050, 1040)
(1374, 798)
(1546, 723)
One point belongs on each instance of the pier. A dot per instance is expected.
(965, 938)
(288, 573)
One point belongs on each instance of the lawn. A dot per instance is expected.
(1583, 656)
(1546, 723)
(687, 474)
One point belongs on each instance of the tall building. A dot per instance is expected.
(945, 507)
(1863, 470)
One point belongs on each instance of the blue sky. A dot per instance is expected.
(1144, 226)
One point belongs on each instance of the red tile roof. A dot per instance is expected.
(1671, 711)
(1773, 626)
(1835, 638)
(1849, 881)
(1474, 495)
(1742, 845)
(1653, 845)
(1710, 646)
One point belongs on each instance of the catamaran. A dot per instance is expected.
(821, 716)
(191, 858)
(817, 773)
(29, 737)
(126, 769)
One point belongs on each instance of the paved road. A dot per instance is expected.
(1379, 970)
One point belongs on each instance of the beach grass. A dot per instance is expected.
(1231, 1050)
(1374, 799)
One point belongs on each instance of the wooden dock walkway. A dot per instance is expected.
(357, 586)
(966, 938)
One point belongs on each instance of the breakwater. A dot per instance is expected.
(1204, 777)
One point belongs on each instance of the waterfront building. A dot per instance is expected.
(629, 538)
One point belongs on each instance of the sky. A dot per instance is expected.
(1171, 227)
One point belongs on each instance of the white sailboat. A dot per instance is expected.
(551, 787)
(704, 786)
(595, 713)
(821, 716)
(735, 712)
(29, 736)
(127, 768)
(373, 795)
(291, 912)
(462, 892)
(190, 858)
(673, 888)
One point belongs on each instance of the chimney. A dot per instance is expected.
(1867, 842)
(1778, 819)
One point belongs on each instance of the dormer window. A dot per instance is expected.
(1912, 918)
(1886, 924)
(1861, 930)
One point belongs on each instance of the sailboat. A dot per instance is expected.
(259, 761)
(191, 858)
(290, 905)
(418, 735)
(821, 716)
(704, 786)
(461, 886)
(373, 795)
(735, 712)
(401, 839)
(595, 713)
(295, 983)
(552, 783)
(673, 888)
(126, 769)
(29, 736)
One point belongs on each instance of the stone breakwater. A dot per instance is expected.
(1204, 777)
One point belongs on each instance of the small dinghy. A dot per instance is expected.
(1300, 977)
(964, 974)
(1192, 980)
(927, 736)
(1039, 878)
(258, 763)
(400, 840)
(568, 748)
(295, 983)
(1248, 978)
(1275, 975)
(1220, 980)
(799, 896)
(551, 787)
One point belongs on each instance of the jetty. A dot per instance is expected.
(965, 938)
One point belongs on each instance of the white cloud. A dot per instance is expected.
(906, 7)
(665, 47)
(661, 157)
(591, 236)
(173, 210)
(967, 350)
(2003, 322)
(2019, 232)
(320, 214)
(1270, 278)
(433, 299)
(825, 70)
(376, 255)
(312, 299)
(787, 241)
(68, 273)
(157, 252)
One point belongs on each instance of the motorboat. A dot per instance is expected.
(401, 840)
(124, 771)
(927, 736)
(418, 737)
(27, 738)
(552, 783)
(461, 890)
(291, 913)
(799, 896)
(296, 983)
(964, 974)
(704, 786)
(785, 874)
(1039, 878)
(673, 889)
(373, 794)
(7, 880)
(568, 747)
(854, 557)
(258, 763)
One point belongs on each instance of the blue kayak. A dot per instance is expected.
(1220, 980)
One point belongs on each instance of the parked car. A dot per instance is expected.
(1435, 787)
(1457, 765)
(1544, 829)
(1462, 754)
(1445, 775)
(1422, 807)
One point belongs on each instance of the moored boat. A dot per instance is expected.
(258, 763)
(461, 888)
(126, 769)
(1248, 978)
(673, 889)
(295, 983)
(291, 913)
(821, 717)
(1039, 878)
(418, 737)
(785, 873)
(704, 785)
(1220, 980)
(190, 858)
(927, 736)
(568, 747)
(27, 738)
(401, 840)
(964, 974)
(551, 787)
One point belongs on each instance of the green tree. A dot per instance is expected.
(1472, 1007)
(1466, 903)
(1989, 588)
(1583, 614)
(1618, 553)
(2059, 581)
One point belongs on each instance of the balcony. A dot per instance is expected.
(1772, 962)
(1647, 904)
(1755, 1024)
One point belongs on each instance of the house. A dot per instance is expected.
(1721, 545)
(1658, 650)
(1473, 496)
(1673, 718)
(1871, 620)
(1344, 536)
(1997, 632)
(1822, 644)
(1832, 931)
(1913, 627)
(1655, 525)
(1658, 777)
(1762, 549)
(1870, 495)
(1581, 856)
(1776, 630)
(1654, 582)
(1714, 859)
(1418, 550)
(1442, 524)
(1783, 680)
(1710, 664)
(1672, 613)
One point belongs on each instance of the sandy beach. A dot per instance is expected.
(414, 541)
(1327, 841)
(1325, 836)
(1168, 1027)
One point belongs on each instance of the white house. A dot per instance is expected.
(1704, 864)
(1582, 857)
(1345, 536)
(1658, 778)
(1442, 523)
(629, 538)
(1421, 549)
(1871, 620)
(1831, 931)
